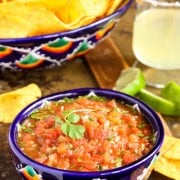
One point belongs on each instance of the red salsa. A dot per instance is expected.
(85, 134)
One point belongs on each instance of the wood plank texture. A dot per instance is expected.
(106, 63)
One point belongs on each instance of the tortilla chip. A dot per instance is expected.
(113, 5)
(173, 152)
(168, 163)
(82, 21)
(39, 18)
(13, 102)
(43, 21)
(53, 5)
(13, 26)
(71, 12)
(168, 167)
(25, 18)
(96, 8)
(169, 142)
(67, 10)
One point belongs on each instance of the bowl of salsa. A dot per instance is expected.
(87, 133)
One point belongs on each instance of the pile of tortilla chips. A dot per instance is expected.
(168, 163)
(24, 18)
(11, 103)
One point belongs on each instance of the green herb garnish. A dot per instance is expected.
(26, 129)
(66, 100)
(68, 127)
(58, 121)
(140, 134)
(153, 138)
(97, 98)
(141, 126)
(38, 115)
(70, 116)
(99, 167)
(110, 138)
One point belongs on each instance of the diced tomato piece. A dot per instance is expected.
(52, 134)
(95, 132)
(52, 159)
(114, 117)
(129, 119)
(64, 164)
(45, 148)
(62, 148)
(83, 101)
(111, 104)
(128, 157)
(41, 158)
(135, 130)
(89, 164)
(48, 123)
(106, 158)
(103, 146)
(27, 138)
(133, 138)
(89, 148)
(123, 130)
(101, 118)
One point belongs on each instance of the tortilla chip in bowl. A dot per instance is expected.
(40, 33)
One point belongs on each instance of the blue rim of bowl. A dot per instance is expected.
(147, 111)
(120, 11)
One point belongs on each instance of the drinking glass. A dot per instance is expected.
(156, 40)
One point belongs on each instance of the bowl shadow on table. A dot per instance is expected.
(74, 74)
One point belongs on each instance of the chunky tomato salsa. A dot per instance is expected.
(85, 134)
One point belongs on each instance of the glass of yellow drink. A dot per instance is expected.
(156, 40)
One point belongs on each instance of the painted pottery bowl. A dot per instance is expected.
(54, 49)
(139, 169)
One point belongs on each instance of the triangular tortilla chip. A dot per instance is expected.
(35, 19)
(13, 26)
(113, 5)
(168, 167)
(11, 103)
(173, 152)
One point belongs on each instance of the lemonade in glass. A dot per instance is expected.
(156, 39)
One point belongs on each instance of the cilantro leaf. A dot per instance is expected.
(65, 128)
(72, 117)
(66, 113)
(38, 115)
(141, 126)
(153, 138)
(97, 98)
(58, 121)
(76, 131)
(68, 127)
(68, 100)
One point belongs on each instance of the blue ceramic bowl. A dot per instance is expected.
(54, 49)
(29, 169)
